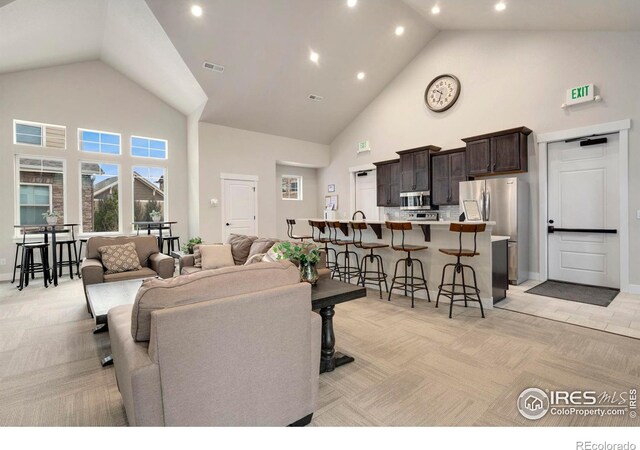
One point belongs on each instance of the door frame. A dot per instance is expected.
(622, 128)
(236, 177)
(352, 186)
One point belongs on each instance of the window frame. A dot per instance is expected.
(148, 158)
(120, 210)
(300, 190)
(86, 152)
(43, 133)
(133, 190)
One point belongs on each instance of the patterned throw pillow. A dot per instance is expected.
(119, 258)
(197, 256)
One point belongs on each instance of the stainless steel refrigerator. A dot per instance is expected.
(505, 201)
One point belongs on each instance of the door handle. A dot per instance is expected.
(551, 229)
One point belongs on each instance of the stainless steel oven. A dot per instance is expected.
(415, 201)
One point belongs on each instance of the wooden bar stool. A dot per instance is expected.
(290, 224)
(345, 271)
(469, 292)
(377, 276)
(320, 226)
(408, 282)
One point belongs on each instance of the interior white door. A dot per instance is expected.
(584, 195)
(239, 208)
(366, 194)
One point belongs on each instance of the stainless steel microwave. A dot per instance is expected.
(415, 201)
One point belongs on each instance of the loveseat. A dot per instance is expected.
(152, 261)
(237, 346)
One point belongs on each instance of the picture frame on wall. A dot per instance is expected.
(331, 202)
(331, 188)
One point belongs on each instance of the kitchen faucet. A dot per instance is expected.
(354, 215)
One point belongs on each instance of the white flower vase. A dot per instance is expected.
(156, 218)
(52, 220)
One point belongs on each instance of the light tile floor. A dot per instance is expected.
(622, 316)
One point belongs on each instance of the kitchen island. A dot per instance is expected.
(435, 235)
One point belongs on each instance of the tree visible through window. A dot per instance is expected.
(148, 192)
(100, 200)
(291, 187)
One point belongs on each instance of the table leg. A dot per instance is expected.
(160, 238)
(54, 255)
(329, 358)
(107, 361)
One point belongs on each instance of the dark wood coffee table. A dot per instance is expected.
(324, 296)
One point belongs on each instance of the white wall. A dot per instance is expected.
(87, 95)
(293, 209)
(230, 150)
(508, 79)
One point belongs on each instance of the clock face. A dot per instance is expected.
(442, 93)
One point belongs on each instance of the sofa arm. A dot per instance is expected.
(92, 271)
(162, 264)
(186, 261)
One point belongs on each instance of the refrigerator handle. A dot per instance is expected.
(487, 208)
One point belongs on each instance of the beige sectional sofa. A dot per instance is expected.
(237, 346)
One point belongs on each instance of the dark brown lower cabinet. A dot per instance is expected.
(448, 169)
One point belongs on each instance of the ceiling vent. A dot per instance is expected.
(213, 66)
(316, 98)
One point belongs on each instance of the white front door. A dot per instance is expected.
(366, 200)
(584, 195)
(239, 208)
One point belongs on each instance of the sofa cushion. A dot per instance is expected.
(119, 258)
(205, 285)
(261, 245)
(240, 247)
(216, 256)
(144, 272)
(145, 246)
(255, 259)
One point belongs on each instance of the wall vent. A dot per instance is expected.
(316, 98)
(213, 66)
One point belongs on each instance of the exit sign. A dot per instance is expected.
(580, 94)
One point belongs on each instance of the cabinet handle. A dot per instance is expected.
(489, 167)
(494, 167)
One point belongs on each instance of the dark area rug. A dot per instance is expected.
(593, 295)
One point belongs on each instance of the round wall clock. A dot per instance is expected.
(442, 92)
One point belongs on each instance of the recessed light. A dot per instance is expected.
(313, 56)
(196, 10)
(435, 10)
(399, 30)
(352, 3)
(500, 6)
(361, 75)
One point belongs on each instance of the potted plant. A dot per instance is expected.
(51, 217)
(188, 247)
(306, 254)
(155, 215)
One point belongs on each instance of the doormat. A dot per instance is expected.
(582, 293)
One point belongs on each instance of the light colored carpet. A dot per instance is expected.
(413, 367)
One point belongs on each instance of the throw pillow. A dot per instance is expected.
(258, 257)
(119, 258)
(240, 247)
(261, 245)
(197, 256)
(216, 256)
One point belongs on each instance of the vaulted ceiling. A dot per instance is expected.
(264, 46)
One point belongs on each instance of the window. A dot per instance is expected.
(99, 197)
(291, 187)
(40, 188)
(148, 192)
(99, 142)
(40, 135)
(148, 148)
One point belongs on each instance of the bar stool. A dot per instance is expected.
(449, 289)
(70, 242)
(171, 241)
(347, 270)
(320, 226)
(408, 283)
(290, 224)
(29, 266)
(377, 276)
(20, 250)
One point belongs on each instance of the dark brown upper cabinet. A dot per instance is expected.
(448, 169)
(388, 183)
(414, 168)
(497, 153)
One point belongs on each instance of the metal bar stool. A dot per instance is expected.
(29, 267)
(346, 271)
(20, 250)
(377, 276)
(407, 282)
(320, 226)
(72, 251)
(469, 293)
(290, 224)
(171, 241)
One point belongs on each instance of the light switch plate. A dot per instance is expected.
(638, 214)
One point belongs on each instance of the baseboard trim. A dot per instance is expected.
(633, 289)
(5, 276)
(534, 276)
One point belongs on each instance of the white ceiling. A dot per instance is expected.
(265, 45)
(544, 15)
